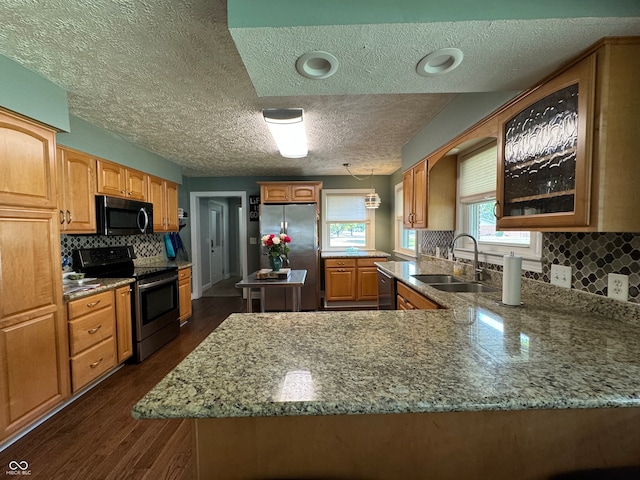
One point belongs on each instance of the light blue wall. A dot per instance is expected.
(33, 96)
(465, 110)
(96, 141)
(283, 13)
(384, 221)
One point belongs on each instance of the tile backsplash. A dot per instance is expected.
(143, 245)
(592, 255)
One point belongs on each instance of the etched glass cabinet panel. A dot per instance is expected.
(545, 153)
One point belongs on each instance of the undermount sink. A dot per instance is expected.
(435, 278)
(464, 287)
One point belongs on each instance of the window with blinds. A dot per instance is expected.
(478, 171)
(347, 223)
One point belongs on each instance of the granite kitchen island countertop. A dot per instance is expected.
(474, 355)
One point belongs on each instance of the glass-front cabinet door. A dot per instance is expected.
(544, 152)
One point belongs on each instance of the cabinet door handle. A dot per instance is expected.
(69, 217)
(123, 192)
(93, 304)
(95, 364)
(61, 217)
(495, 209)
(94, 330)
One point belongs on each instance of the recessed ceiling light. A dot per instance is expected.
(439, 62)
(317, 65)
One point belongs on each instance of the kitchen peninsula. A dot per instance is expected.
(473, 390)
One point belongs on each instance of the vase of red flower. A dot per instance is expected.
(277, 249)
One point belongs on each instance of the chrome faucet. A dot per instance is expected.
(477, 272)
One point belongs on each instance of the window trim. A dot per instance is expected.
(370, 238)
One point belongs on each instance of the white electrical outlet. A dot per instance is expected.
(618, 286)
(561, 275)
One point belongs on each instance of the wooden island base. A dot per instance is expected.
(531, 444)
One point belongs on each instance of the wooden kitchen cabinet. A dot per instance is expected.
(92, 342)
(76, 191)
(367, 278)
(414, 192)
(164, 196)
(339, 279)
(589, 181)
(118, 181)
(33, 337)
(290, 192)
(124, 325)
(409, 299)
(351, 279)
(27, 150)
(184, 293)
(429, 194)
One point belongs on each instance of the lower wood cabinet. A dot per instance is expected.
(124, 327)
(409, 299)
(92, 341)
(351, 279)
(184, 293)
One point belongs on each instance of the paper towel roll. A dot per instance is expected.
(511, 279)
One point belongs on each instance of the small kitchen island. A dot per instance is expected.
(474, 390)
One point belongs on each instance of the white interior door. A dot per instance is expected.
(216, 242)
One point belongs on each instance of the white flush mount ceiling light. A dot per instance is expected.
(287, 129)
(439, 62)
(317, 65)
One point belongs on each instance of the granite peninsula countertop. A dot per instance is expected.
(474, 355)
(356, 254)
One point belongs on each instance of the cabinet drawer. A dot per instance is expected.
(339, 262)
(90, 329)
(370, 261)
(184, 274)
(92, 363)
(77, 308)
(414, 299)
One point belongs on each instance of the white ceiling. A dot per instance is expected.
(169, 77)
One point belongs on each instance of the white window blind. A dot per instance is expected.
(346, 208)
(478, 171)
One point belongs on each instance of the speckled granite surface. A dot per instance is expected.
(111, 283)
(358, 254)
(474, 355)
(105, 284)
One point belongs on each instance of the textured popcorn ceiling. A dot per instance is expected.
(167, 76)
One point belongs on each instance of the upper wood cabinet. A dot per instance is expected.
(76, 191)
(429, 194)
(567, 148)
(290, 192)
(164, 196)
(27, 157)
(118, 181)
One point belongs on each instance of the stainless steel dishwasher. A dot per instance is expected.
(386, 291)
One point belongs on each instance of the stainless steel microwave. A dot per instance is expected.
(121, 216)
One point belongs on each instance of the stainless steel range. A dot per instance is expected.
(155, 305)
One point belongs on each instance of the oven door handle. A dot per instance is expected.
(146, 220)
(145, 286)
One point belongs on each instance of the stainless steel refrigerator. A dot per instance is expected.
(300, 222)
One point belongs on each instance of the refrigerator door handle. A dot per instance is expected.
(286, 227)
(281, 227)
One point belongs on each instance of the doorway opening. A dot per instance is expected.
(218, 239)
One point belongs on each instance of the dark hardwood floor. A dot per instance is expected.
(95, 437)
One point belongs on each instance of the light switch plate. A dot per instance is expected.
(618, 286)
(253, 241)
(561, 275)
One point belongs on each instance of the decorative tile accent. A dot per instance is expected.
(143, 245)
(592, 255)
(433, 239)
